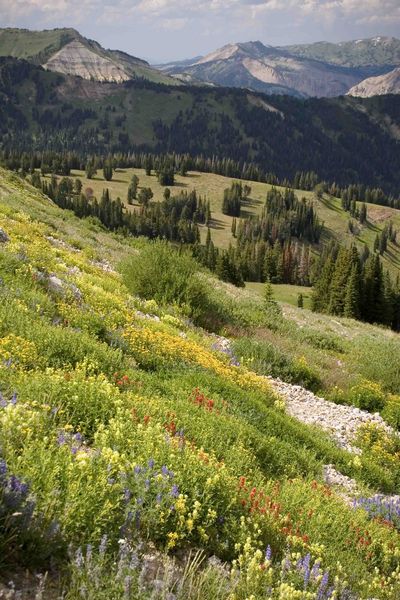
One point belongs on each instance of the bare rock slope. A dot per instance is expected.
(77, 59)
(377, 86)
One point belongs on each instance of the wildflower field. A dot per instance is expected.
(139, 460)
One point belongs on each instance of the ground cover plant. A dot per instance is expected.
(139, 460)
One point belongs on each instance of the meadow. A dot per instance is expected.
(141, 459)
(211, 187)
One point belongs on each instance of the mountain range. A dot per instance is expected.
(310, 70)
(321, 69)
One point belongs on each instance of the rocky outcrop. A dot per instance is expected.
(341, 422)
(76, 59)
(377, 86)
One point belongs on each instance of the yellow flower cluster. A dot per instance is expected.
(160, 346)
(17, 352)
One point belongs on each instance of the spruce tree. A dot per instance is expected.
(300, 300)
(353, 294)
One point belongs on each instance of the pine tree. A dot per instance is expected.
(108, 169)
(300, 300)
(339, 281)
(268, 293)
(353, 294)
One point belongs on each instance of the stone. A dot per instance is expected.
(3, 236)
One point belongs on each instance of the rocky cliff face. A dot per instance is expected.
(377, 86)
(77, 59)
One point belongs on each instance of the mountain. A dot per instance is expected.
(371, 53)
(320, 69)
(66, 51)
(342, 139)
(377, 86)
(270, 70)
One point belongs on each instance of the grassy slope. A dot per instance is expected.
(64, 352)
(22, 43)
(212, 186)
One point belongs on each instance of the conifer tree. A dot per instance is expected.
(353, 294)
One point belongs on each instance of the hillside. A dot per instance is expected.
(211, 187)
(42, 110)
(139, 459)
(377, 86)
(66, 51)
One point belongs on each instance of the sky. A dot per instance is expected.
(164, 30)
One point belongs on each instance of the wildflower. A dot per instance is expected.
(323, 585)
(13, 399)
(175, 491)
(127, 586)
(79, 558)
(268, 553)
(137, 519)
(103, 545)
(151, 463)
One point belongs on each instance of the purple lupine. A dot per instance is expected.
(127, 586)
(175, 491)
(103, 545)
(13, 399)
(89, 552)
(164, 471)
(323, 585)
(137, 519)
(78, 558)
(3, 401)
(151, 463)
(61, 439)
(127, 494)
(306, 568)
(268, 553)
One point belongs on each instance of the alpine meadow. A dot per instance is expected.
(200, 300)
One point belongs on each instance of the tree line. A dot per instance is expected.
(166, 166)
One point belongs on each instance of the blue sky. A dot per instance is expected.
(163, 30)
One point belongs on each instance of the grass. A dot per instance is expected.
(284, 292)
(125, 436)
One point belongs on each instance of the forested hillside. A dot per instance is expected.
(344, 140)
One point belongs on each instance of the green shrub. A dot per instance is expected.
(367, 395)
(391, 411)
(159, 272)
(266, 359)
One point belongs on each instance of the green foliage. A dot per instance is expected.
(367, 396)
(266, 359)
(160, 272)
